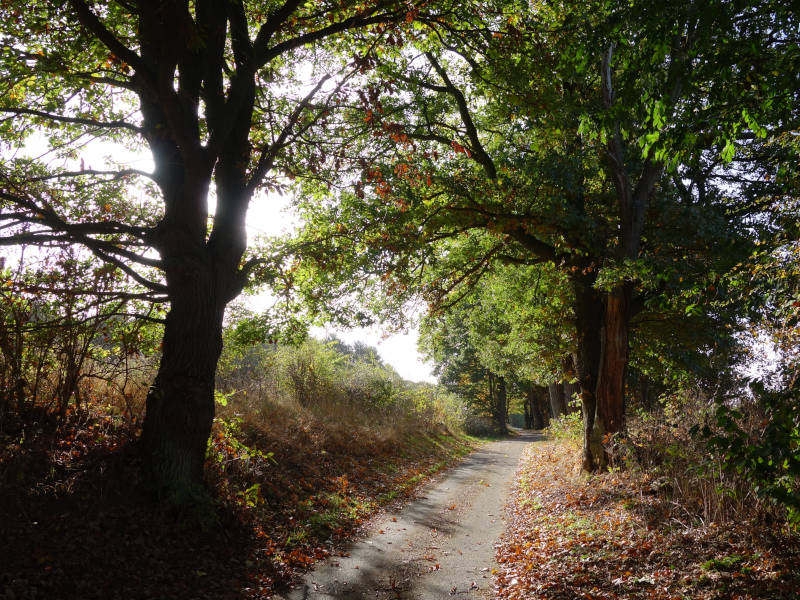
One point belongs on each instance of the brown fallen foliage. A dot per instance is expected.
(611, 536)
(75, 524)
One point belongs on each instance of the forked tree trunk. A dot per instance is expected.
(633, 198)
(180, 404)
(610, 414)
(588, 321)
(202, 272)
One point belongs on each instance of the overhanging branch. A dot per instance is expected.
(77, 120)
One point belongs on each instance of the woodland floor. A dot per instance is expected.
(610, 536)
(74, 523)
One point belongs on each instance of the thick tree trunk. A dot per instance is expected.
(533, 401)
(610, 416)
(543, 399)
(557, 404)
(588, 310)
(180, 405)
(539, 397)
(570, 390)
(502, 404)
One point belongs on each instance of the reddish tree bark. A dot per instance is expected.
(610, 417)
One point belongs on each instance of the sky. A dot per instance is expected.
(271, 215)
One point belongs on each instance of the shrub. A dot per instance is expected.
(697, 481)
(566, 427)
(481, 426)
(759, 440)
(332, 383)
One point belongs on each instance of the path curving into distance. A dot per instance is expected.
(439, 546)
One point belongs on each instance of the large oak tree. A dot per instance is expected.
(219, 93)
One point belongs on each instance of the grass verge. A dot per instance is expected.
(289, 490)
(611, 536)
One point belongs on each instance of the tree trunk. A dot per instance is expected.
(610, 417)
(492, 395)
(588, 321)
(543, 402)
(538, 397)
(202, 272)
(570, 390)
(532, 400)
(502, 404)
(557, 404)
(180, 404)
(528, 409)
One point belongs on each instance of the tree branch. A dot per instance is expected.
(77, 120)
(89, 20)
(472, 133)
(85, 172)
(263, 54)
(267, 158)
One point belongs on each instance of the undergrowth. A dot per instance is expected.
(664, 452)
(289, 479)
(696, 483)
(616, 535)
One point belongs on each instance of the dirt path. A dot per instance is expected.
(439, 546)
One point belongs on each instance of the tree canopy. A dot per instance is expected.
(632, 148)
(212, 91)
(584, 182)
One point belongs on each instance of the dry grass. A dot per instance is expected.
(614, 536)
(291, 485)
(693, 485)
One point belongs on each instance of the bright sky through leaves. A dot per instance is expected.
(270, 215)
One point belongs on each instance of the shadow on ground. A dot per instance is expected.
(97, 536)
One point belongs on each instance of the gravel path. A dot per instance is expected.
(439, 546)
